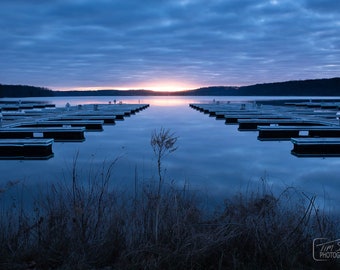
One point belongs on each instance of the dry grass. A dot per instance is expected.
(89, 226)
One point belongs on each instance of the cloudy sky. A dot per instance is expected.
(167, 44)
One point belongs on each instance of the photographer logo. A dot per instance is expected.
(325, 249)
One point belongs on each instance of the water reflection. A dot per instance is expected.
(163, 101)
(212, 157)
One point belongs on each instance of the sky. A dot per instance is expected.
(167, 44)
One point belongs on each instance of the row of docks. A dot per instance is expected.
(312, 127)
(24, 105)
(315, 104)
(29, 133)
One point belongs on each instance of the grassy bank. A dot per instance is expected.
(90, 226)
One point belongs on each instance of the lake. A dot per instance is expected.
(213, 158)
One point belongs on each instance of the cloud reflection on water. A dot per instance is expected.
(212, 157)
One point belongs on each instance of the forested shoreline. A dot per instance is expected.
(317, 87)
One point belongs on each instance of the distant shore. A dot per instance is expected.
(316, 87)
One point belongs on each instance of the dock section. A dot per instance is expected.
(312, 126)
(29, 130)
(288, 132)
(58, 134)
(90, 125)
(24, 105)
(26, 148)
(252, 124)
(316, 147)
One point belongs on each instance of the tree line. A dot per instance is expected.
(317, 87)
(24, 91)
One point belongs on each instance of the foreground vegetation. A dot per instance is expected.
(87, 224)
(90, 226)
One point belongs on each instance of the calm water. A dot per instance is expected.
(212, 157)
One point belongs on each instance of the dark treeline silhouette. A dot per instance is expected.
(24, 91)
(317, 87)
(109, 93)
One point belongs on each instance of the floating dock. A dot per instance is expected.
(252, 124)
(233, 118)
(316, 147)
(320, 104)
(90, 125)
(26, 148)
(313, 127)
(28, 130)
(19, 105)
(105, 118)
(58, 134)
(288, 132)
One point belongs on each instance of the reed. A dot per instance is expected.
(90, 226)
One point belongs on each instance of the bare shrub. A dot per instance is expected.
(163, 142)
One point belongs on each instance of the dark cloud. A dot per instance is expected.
(324, 6)
(80, 43)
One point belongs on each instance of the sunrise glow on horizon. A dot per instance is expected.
(153, 86)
